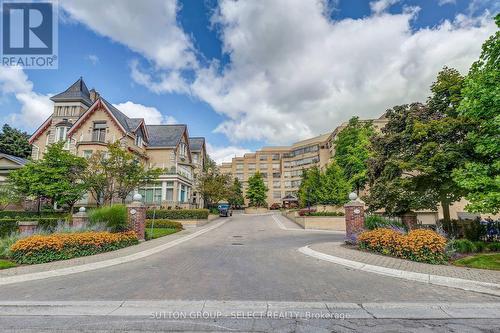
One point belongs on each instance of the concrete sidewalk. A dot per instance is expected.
(485, 281)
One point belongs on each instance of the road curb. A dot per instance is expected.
(470, 285)
(283, 227)
(105, 263)
(211, 309)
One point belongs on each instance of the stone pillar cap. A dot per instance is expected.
(355, 203)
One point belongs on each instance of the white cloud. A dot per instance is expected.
(445, 2)
(150, 114)
(287, 81)
(224, 154)
(93, 59)
(380, 6)
(35, 107)
(148, 27)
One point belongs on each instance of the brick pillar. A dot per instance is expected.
(354, 218)
(136, 212)
(27, 227)
(409, 220)
(80, 219)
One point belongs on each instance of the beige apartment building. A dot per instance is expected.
(87, 123)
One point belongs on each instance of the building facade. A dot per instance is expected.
(87, 123)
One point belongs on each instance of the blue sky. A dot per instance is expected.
(252, 73)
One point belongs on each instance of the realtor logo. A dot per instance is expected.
(29, 34)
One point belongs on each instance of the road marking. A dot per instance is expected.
(471, 285)
(283, 227)
(184, 309)
(104, 263)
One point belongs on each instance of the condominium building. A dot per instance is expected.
(282, 167)
(87, 123)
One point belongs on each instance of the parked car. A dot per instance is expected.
(225, 210)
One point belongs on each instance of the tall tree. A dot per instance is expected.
(58, 177)
(334, 189)
(257, 191)
(14, 142)
(352, 151)
(212, 185)
(99, 178)
(309, 189)
(416, 153)
(480, 176)
(236, 194)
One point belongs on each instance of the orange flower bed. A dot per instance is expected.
(45, 248)
(418, 245)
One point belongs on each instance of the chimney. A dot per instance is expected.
(94, 95)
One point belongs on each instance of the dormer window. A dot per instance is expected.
(182, 150)
(138, 141)
(62, 129)
(99, 131)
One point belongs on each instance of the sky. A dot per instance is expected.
(247, 74)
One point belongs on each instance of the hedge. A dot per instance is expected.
(418, 245)
(178, 214)
(10, 225)
(23, 214)
(324, 214)
(38, 249)
(163, 223)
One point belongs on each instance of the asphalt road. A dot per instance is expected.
(247, 258)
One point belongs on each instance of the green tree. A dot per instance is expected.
(334, 188)
(99, 178)
(14, 142)
(8, 196)
(352, 151)
(212, 185)
(58, 177)
(416, 153)
(257, 191)
(127, 171)
(236, 194)
(309, 189)
(480, 176)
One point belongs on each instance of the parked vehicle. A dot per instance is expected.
(225, 210)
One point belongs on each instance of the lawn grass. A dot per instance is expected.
(159, 232)
(484, 261)
(6, 264)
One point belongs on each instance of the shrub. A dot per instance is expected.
(6, 243)
(418, 245)
(45, 248)
(178, 214)
(461, 246)
(275, 206)
(373, 222)
(324, 214)
(494, 246)
(115, 217)
(480, 246)
(7, 227)
(305, 211)
(474, 231)
(22, 215)
(163, 223)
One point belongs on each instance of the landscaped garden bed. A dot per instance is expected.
(38, 249)
(161, 227)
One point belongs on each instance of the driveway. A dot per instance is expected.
(247, 258)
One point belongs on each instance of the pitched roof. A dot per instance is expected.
(165, 135)
(78, 91)
(133, 123)
(120, 116)
(196, 143)
(15, 159)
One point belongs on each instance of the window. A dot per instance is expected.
(99, 131)
(263, 157)
(276, 175)
(182, 150)
(264, 174)
(276, 166)
(239, 166)
(251, 166)
(263, 166)
(276, 195)
(240, 176)
(195, 158)
(61, 133)
(138, 140)
(87, 153)
(276, 157)
(276, 184)
(151, 193)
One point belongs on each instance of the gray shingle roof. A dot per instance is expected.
(165, 135)
(134, 122)
(78, 91)
(120, 116)
(15, 159)
(196, 144)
